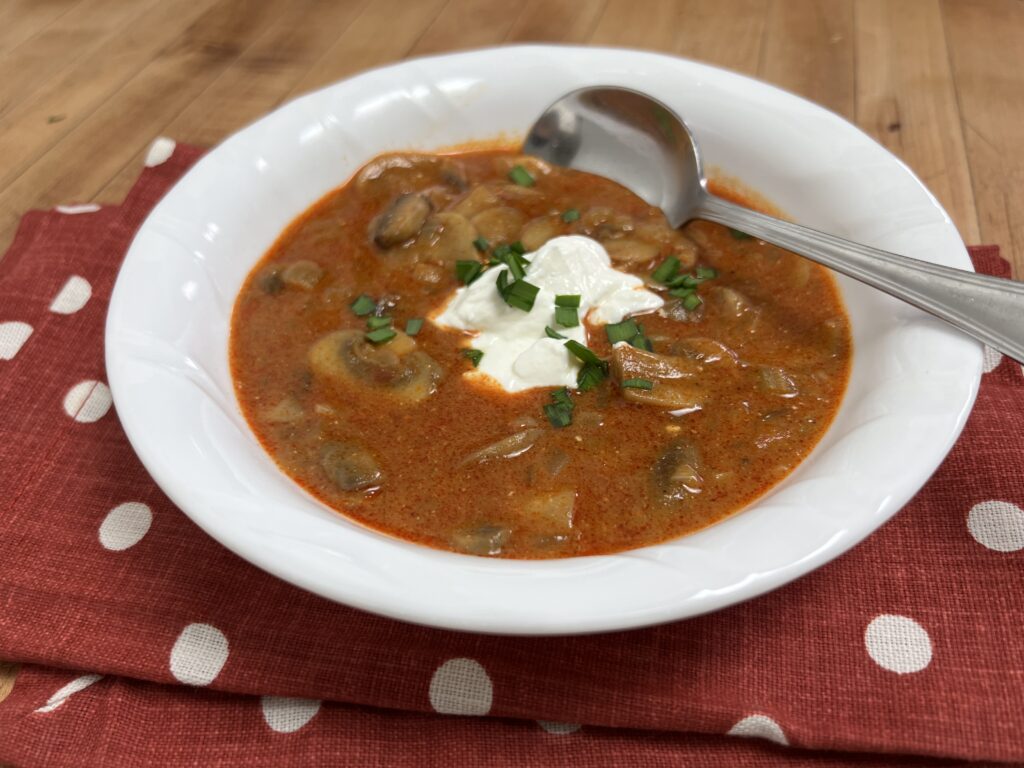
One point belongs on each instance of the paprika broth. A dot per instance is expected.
(671, 418)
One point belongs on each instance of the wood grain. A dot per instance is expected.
(86, 85)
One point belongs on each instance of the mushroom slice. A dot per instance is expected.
(538, 231)
(350, 466)
(630, 250)
(345, 359)
(286, 411)
(674, 379)
(482, 540)
(552, 510)
(500, 224)
(449, 238)
(507, 448)
(402, 221)
(303, 274)
(675, 474)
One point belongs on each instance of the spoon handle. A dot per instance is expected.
(988, 308)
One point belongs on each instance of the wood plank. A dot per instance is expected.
(96, 150)
(652, 26)
(385, 31)
(985, 45)
(59, 46)
(556, 21)
(468, 24)
(252, 85)
(808, 49)
(21, 20)
(728, 35)
(905, 99)
(38, 123)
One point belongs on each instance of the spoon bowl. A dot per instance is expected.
(631, 138)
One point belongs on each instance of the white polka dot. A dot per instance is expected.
(13, 336)
(160, 151)
(199, 654)
(125, 525)
(559, 729)
(288, 715)
(898, 644)
(72, 297)
(998, 525)
(461, 687)
(62, 695)
(759, 727)
(990, 359)
(72, 210)
(87, 401)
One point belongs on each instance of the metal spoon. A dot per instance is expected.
(640, 143)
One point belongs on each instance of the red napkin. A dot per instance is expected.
(911, 644)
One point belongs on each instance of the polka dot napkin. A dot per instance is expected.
(144, 641)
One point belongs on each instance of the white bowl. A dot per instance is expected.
(912, 385)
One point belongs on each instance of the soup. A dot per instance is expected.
(415, 353)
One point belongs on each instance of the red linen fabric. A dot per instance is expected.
(911, 644)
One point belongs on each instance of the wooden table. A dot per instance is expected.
(86, 85)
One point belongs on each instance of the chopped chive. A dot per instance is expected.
(562, 396)
(521, 295)
(692, 301)
(707, 273)
(570, 216)
(502, 283)
(473, 355)
(567, 300)
(380, 335)
(521, 176)
(373, 323)
(413, 326)
(517, 247)
(501, 252)
(552, 333)
(623, 331)
(559, 412)
(682, 293)
(567, 317)
(515, 268)
(584, 354)
(481, 244)
(738, 235)
(684, 281)
(666, 270)
(363, 305)
(468, 270)
(559, 415)
(590, 376)
(642, 342)
(637, 384)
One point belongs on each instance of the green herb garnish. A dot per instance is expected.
(567, 317)
(590, 375)
(363, 305)
(481, 245)
(738, 235)
(637, 384)
(413, 326)
(373, 323)
(567, 300)
(473, 355)
(691, 302)
(517, 247)
(520, 294)
(521, 176)
(559, 412)
(570, 216)
(468, 270)
(706, 273)
(552, 333)
(667, 270)
(583, 353)
(380, 335)
(624, 331)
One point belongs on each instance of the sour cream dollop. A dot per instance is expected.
(518, 354)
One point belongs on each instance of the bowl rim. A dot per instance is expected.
(270, 560)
